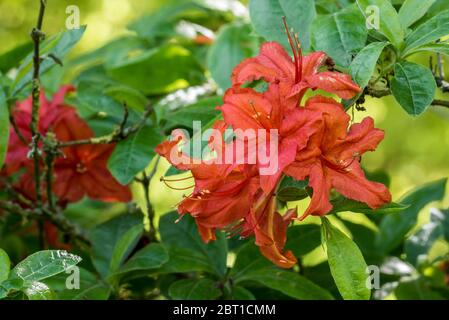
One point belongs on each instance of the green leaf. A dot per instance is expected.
(233, 44)
(430, 31)
(203, 110)
(113, 240)
(389, 23)
(292, 190)
(418, 245)
(194, 289)
(442, 48)
(248, 260)
(58, 45)
(10, 285)
(266, 17)
(124, 246)
(158, 71)
(290, 283)
(241, 293)
(364, 64)
(133, 155)
(4, 126)
(44, 264)
(90, 286)
(38, 291)
(184, 234)
(301, 239)
(346, 263)
(393, 228)
(416, 289)
(151, 257)
(341, 35)
(413, 10)
(132, 97)
(5, 265)
(341, 204)
(162, 23)
(413, 87)
(11, 59)
(182, 260)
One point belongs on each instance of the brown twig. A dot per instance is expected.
(41, 215)
(36, 35)
(145, 182)
(120, 134)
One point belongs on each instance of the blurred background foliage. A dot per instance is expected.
(415, 149)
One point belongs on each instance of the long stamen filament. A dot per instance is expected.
(295, 53)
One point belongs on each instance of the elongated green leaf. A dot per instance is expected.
(292, 190)
(430, 31)
(389, 23)
(394, 227)
(442, 48)
(341, 204)
(38, 291)
(233, 44)
(133, 155)
(413, 87)
(90, 287)
(299, 15)
(44, 264)
(113, 241)
(364, 64)
(151, 257)
(183, 260)
(248, 260)
(301, 239)
(132, 97)
(241, 293)
(4, 126)
(412, 10)
(418, 245)
(290, 283)
(5, 265)
(204, 110)
(58, 46)
(124, 246)
(346, 263)
(340, 35)
(162, 23)
(161, 70)
(194, 289)
(184, 234)
(9, 286)
(11, 59)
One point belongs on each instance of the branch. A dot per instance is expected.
(36, 35)
(57, 219)
(120, 134)
(386, 92)
(145, 182)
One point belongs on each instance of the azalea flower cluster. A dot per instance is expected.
(80, 171)
(316, 143)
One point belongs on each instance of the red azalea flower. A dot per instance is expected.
(331, 159)
(248, 109)
(83, 169)
(49, 113)
(224, 196)
(274, 65)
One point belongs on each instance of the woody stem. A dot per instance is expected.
(145, 181)
(37, 35)
(122, 133)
